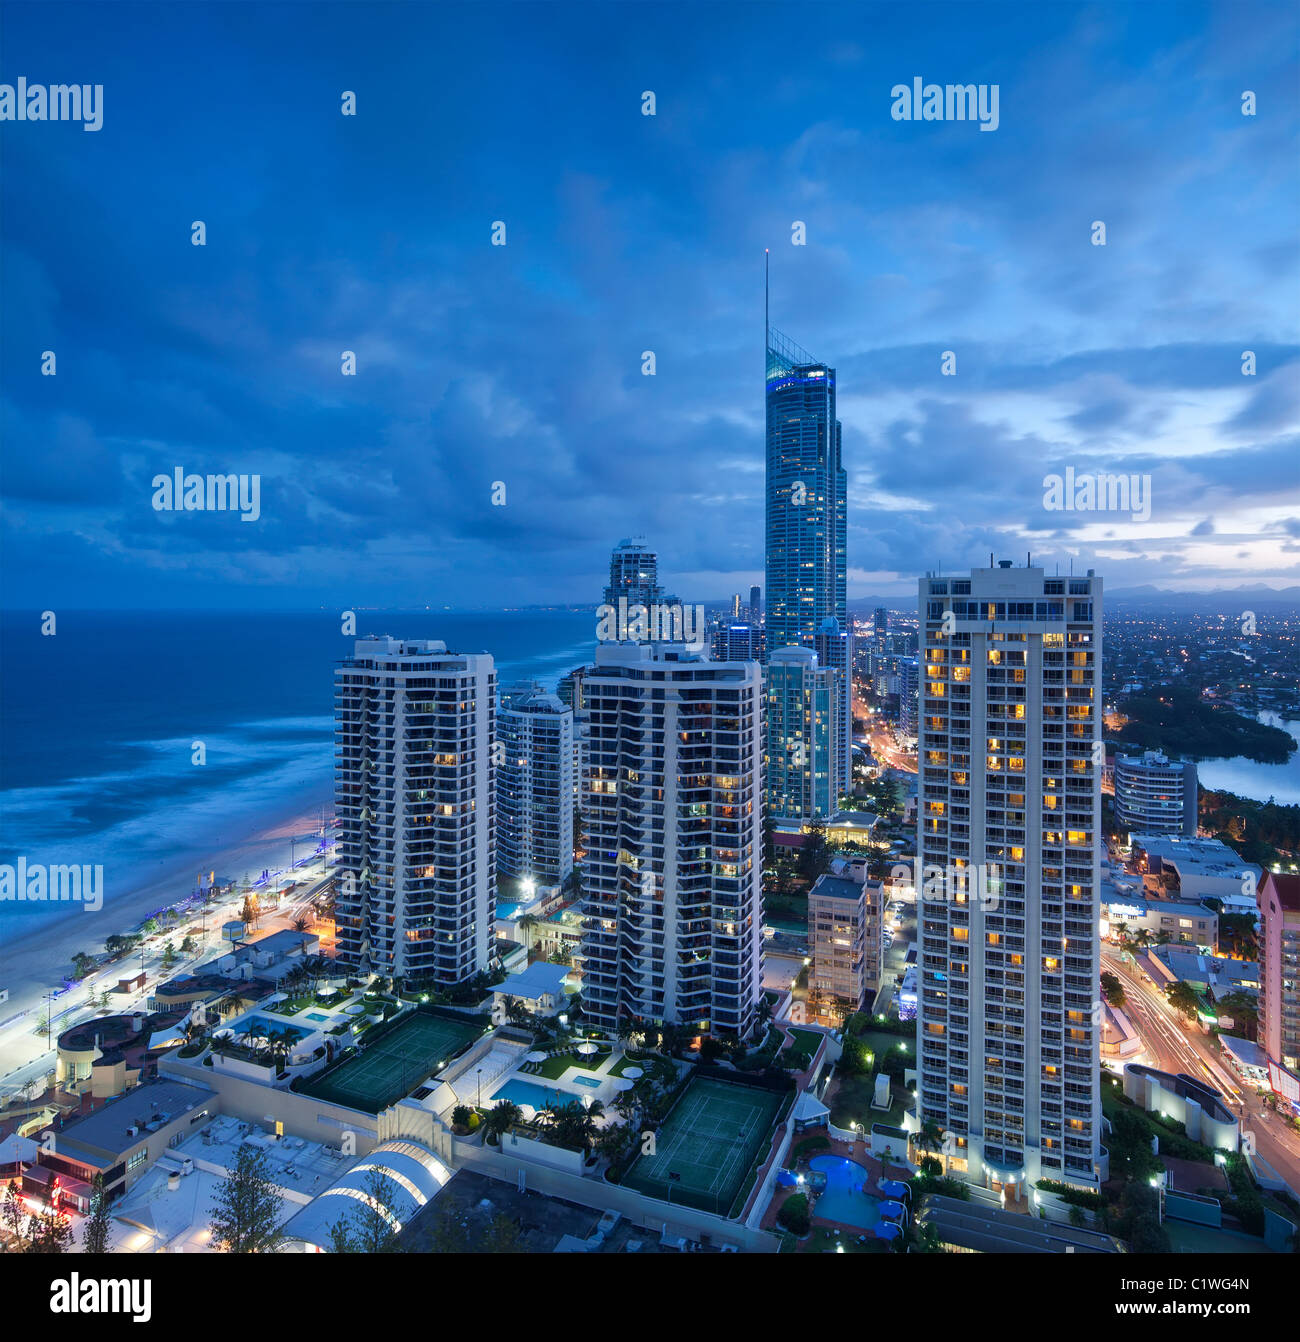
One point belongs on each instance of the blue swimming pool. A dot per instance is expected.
(846, 1198)
(315, 1015)
(260, 1027)
(594, 1082)
(529, 1092)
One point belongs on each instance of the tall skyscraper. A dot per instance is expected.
(415, 882)
(880, 627)
(1279, 983)
(803, 736)
(535, 786)
(806, 497)
(633, 575)
(673, 871)
(1009, 819)
(755, 605)
(909, 696)
(806, 534)
(835, 650)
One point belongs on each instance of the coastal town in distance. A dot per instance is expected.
(485, 772)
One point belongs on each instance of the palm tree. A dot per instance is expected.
(502, 1117)
(930, 1136)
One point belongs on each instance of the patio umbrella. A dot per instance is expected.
(786, 1179)
(621, 1084)
(888, 1230)
(633, 1072)
(891, 1211)
(527, 1113)
(587, 1048)
(535, 1056)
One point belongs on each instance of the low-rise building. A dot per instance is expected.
(122, 1140)
(539, 989)
(1198, 869)
(1182, 921)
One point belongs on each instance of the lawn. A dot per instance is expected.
(555, 1067)
(851, 1103)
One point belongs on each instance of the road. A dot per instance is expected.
(1172, 1047)
(24, 1056)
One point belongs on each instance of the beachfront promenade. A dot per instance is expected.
(27, 1055)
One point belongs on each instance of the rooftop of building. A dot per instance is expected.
(1188, 1088)
(985, 1229)
(835, 887)
(1285, 887)
(1192, 856)
(539, 978)
(143, 1107)
(1191, 966)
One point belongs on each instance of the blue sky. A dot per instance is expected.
(627, 233)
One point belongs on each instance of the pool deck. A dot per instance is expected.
(856, 1151)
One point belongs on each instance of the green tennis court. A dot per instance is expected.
(383, 1072)
(706, 1145)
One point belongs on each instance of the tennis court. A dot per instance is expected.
(706, 1145)
(383, 1072)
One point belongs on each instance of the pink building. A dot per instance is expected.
(1279, 979)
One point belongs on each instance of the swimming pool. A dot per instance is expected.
(845, 1199)
(594, 1082)
(261, 1028)
(529, 1092)
(315, 1015)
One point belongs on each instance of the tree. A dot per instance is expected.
(502, 1235)
(51, 1232)
(813, 853)
(82, 964)
(246, 1212)
(14, 1218)
(1243, 1007)
(502, 1117)
(96, 1236)
(929, 1137)
(249, 912)
(371, 1226)
(1113, 989)
(460, 1117)
(1182, 997)
(168, 956)
(795, 1214)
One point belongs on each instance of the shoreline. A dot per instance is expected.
(36, 959)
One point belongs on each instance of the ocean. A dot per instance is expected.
(98, 725)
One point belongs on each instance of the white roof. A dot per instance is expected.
(414, 1172)
(535, 981)
(808, 1106)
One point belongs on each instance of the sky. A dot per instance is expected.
(488, 372)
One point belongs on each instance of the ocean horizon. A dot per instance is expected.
(99, 725)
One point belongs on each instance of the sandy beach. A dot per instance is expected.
(36, 959)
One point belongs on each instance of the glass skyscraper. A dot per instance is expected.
(806, 497)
